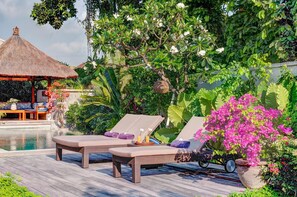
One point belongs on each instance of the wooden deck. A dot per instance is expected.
(42, 174)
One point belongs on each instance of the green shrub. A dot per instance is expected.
(263, 192)
(10, 188)
(281, 173)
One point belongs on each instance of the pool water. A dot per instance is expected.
(26, 139)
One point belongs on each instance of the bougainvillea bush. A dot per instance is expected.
(245, 128)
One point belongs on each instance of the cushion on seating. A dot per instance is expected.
(111, 134)
(24, 105)
(180, 144)
(126, 136)
(147, 150)
(89, 140)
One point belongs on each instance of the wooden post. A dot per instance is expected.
(32, 92)
(49, 85)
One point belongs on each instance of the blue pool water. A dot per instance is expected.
(26, 139)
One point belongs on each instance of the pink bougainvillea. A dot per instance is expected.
(245, 127)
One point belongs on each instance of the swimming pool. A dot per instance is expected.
(27, 139)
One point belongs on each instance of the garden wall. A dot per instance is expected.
(75, 96)
(276, 72)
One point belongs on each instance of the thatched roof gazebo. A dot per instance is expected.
(21, 61)
(1, 41)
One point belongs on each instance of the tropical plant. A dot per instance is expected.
(187, 106)
(166, 135)
(245, 128)
(288, 80)
(107, 97)
(276, 97)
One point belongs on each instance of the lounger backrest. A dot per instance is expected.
(147, 123)
(123, 126)
(187, 133)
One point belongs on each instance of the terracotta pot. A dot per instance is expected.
(250, 176)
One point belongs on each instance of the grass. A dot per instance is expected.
(10, 188)
(263, 192)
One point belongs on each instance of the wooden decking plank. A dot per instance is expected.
(44, 175)
(52, 181)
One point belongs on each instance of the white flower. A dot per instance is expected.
(116, 15)
(145, 22)
(180, 5)
(201, 53)
(148, 67)
(94, 64)
(220, 50)
(137, 32)
(85, 68)
(173, 50)
(186, 33)
(147, 37)
(159, 23)
(129, 18)
(206, 68)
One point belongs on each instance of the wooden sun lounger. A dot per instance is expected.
(87, 144)
(138, 156)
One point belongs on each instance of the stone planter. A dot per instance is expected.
(250, 176)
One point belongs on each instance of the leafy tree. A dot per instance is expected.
(160, 36)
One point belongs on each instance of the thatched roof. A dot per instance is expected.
(19, 58)
(1, 41)
(82, 65)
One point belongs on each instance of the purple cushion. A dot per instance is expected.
(126, 136)
(180, 144)
(111, 134)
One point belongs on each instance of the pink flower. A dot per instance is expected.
(244, 126)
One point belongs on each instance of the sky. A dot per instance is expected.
(68, 44)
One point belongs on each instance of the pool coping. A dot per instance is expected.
(20, 153)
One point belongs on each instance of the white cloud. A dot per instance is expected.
(12, 9)
(67, 48)
(67, 44)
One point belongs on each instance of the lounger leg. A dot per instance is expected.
(85, 158)
(116, 166)
(59, 154)
(135, 171)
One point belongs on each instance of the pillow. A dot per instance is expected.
(111, 134)
(126, 136)
(24, 106)
(180, 144)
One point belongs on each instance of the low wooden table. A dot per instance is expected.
(22, 114)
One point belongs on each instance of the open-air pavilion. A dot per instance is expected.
(21, 61)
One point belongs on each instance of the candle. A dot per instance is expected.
(147, 139)
(139, 139)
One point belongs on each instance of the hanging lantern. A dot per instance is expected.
(161, 87)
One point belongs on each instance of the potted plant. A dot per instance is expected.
(13, 103)
(248, 129)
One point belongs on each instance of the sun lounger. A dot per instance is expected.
(149, 155)
(86, 144)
